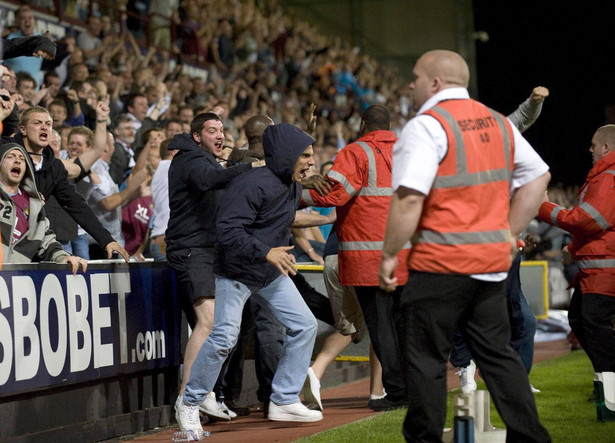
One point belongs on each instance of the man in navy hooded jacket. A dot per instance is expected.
(252, 259)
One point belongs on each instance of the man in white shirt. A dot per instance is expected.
(160, 196)
(454, 167)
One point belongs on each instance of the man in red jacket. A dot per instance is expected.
(591, 222)
(361, 177)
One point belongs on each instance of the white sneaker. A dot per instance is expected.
(378, 397)
(466, 378)
(187, 416)
(210, 407)
(297, 412)
(311, 389)
(533, 389)
(225, 409)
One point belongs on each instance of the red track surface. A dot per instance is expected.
(342, 405)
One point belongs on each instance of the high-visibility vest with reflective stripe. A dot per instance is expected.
(464, 226)
(362, 197)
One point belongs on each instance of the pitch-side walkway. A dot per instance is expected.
(343, 404)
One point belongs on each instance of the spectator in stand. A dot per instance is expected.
(136, 106)
(79, 72)
(185, 114)
(123, 159)
(52, 85)
(59, 112)
(9, 80)
(164, 16)
(99, 190)
(31, 238)
(24, 18)
(160, 197)
(172, 127)
(136, 219)
(26, 87)
(90, 42)
(51, 177)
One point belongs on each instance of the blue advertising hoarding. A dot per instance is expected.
(58, 329)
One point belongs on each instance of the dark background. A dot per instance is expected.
(570, 50)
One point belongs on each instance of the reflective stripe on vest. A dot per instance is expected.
(463, 177)
(372, 189)
(554, 213)
(608, 171)
(596, 264)
(461, 238)
(589, 209)
(595, 215)
(364, 246)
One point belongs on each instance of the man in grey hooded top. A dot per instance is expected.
(25, 232)
(252, 259)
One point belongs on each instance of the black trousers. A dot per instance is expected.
(592, 319)
(433, 306)
(383, 321)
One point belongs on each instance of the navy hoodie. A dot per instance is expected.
(259, 208)
(196, 188)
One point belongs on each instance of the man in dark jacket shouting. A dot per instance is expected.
(252, 259)
(196, 189)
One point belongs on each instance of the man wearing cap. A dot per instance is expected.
(252, 259)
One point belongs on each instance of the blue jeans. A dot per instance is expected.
(154, 251)
(282, 298)
(78, 246)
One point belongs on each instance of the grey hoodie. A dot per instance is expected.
(39, 243)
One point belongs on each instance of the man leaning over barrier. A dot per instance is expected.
(26, 236)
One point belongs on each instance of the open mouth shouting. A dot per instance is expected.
(16, 172)
(218, 147)
(43, 137)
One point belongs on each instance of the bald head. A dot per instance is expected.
(603, 143)
(255, 126)
(449, 66)
(254, 129)
(437, 70)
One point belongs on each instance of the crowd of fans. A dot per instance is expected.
(252, 60)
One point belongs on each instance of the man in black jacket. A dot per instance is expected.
(196, 189)
(52, 179)
(252, 259)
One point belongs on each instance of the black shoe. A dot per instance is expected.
(241, 411)
(266, 408)
(386, 404)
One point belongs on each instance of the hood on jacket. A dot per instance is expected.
(283, 144)
(183, 142)
(27, 183)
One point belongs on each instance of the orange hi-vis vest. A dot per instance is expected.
(464, 226)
